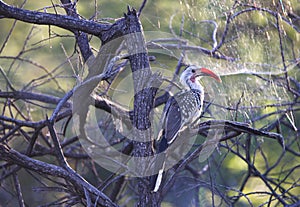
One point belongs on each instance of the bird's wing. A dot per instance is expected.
(173, 116)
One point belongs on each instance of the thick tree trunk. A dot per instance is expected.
(145, 88)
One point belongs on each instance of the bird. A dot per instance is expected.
(180, 110)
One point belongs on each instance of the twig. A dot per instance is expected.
(8, 36)
(225, 32)
(191, 48)
(142, 7)
(8, 82)
(10, 133)
(58, 150)
(214, 34)
(88, 198)
(30, 124)
(18, 190)
(81, 37)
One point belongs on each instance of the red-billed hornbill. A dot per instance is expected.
(181, 110)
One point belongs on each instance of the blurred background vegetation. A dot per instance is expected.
(45, 59)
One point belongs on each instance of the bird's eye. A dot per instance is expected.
(193, 71)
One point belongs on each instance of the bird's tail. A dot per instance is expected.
(158, 177)
(156, 180)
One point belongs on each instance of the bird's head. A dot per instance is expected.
(191, 75)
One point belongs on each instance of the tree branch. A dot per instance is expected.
(24, 95)
(145, 87)
(62, 21)
(40, 167)
(81, 37)
(233, 129)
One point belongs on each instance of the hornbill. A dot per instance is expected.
(180, 110)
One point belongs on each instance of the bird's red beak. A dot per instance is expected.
(205, 71)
